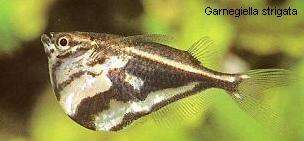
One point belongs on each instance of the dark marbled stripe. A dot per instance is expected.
(53, 69)
(131, 117)
(79, 51)
(157, 76)
(71, 78)
(91, 106)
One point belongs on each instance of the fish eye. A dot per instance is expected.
(63, 42)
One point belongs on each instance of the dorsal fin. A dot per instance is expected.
(201, 49)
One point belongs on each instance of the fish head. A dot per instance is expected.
(60, 44)
(68, 53)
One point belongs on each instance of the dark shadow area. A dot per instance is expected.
(23, 77)
(109, 16)
(275, 60)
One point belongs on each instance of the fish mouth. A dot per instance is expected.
(46, 41)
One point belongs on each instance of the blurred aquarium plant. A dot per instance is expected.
(218, 118)
(265, 35)
(21, 20)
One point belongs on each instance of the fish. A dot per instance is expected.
(106, 82)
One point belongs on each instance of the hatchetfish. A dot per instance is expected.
(105, 82)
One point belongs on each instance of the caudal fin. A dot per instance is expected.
(257, 81)
(250, 88)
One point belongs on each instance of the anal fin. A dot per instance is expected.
(181, 113)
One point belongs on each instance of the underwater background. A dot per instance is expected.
(30, 112)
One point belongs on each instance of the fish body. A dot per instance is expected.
(105, 82)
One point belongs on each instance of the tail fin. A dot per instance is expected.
(257, 81)
(250, 87)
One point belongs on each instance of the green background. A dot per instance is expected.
(30, 112)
